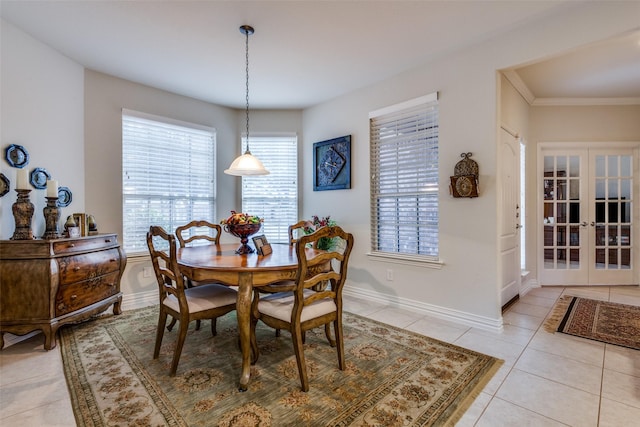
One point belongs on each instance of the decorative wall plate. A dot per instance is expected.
(64, 197)
(39, 177)
(332, 164)
(4, 185)
(17, 156)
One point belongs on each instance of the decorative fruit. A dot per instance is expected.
(238, 218)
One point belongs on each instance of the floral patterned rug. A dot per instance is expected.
(393, 377)
(604, 321)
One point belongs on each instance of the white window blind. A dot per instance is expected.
(168, 175)
(273, 197)
(404, 178)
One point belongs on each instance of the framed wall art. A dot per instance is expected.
(332, 164)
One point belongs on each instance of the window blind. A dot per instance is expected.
(168, 175)
(273, 197)
(404, 178)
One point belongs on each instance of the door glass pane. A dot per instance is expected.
(625, 165)
(561, 163)
(600, 259)
(575, 258)
(625, 189)
(561, 214)
(599, 166)
(574, 236)
(625, 212)
(612, 166)
(574, 166)
(613, 259)
(574, 189)
(600, 189)
(562, 189)
(625, 258)
(561, 236)
(561, 260)
(613, 189)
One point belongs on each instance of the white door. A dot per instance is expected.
(586, 217)
(509, 231)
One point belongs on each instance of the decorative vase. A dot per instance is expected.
(243, 231)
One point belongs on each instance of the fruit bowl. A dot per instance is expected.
(243, 231)
(242, 225)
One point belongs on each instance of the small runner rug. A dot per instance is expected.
(393, 377)
(609, 322)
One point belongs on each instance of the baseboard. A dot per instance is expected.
(527, 286)
(467, 319)
(145, 299)
(139, 300)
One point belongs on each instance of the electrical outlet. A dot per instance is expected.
(390, 275)
(147, 272)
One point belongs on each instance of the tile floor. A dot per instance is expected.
(546, 380)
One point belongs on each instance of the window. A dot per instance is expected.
(404, 179)
(168, 175)
(273, 197)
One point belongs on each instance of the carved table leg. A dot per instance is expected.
(117, 309)
(243, 307)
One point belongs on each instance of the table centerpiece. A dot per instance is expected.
(242, 225)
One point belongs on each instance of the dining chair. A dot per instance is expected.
(198, 230)
(208, 301)
(305, 308)
(299, 228)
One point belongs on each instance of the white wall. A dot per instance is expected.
(467, 285)
(43, 110)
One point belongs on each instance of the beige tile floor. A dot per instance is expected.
(546, 380)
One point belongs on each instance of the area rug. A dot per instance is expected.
(393, 377)
(604, 321)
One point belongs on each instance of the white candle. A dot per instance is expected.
(22, 179)
(52, 188)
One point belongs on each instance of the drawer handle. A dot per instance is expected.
(76, 268)
(72, 245)
(74, 296)
(61, 306)
(107, 240)
(112, 260)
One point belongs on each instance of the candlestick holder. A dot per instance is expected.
(51, 217)
(23, 213)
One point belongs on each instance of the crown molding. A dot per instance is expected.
(553, 102)
(523, 90)
(519, 85)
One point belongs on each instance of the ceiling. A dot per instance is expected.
(305, 52)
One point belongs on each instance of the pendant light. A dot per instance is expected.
(247, 164)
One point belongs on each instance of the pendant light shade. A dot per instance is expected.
(247, 164)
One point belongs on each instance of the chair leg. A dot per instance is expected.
(327, 332)
(302, 366)
(255, 351)
(337, 325)
(197, 325)
(277, 332)
(172, 324)
(162, 320)
(214, 330)
(182, 334)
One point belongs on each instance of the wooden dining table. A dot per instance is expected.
(220, 263)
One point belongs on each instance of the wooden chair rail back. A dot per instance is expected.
(198, 227)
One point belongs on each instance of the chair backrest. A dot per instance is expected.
(198, 230)
(298, 227)
(165, 264)
(316, 267)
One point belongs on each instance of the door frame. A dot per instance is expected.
(634, 146)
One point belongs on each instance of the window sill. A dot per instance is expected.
(405, 259)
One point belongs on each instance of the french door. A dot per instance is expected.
(587, 216)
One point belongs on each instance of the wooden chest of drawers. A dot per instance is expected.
(45, 284)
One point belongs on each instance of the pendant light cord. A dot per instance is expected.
(247, 88)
